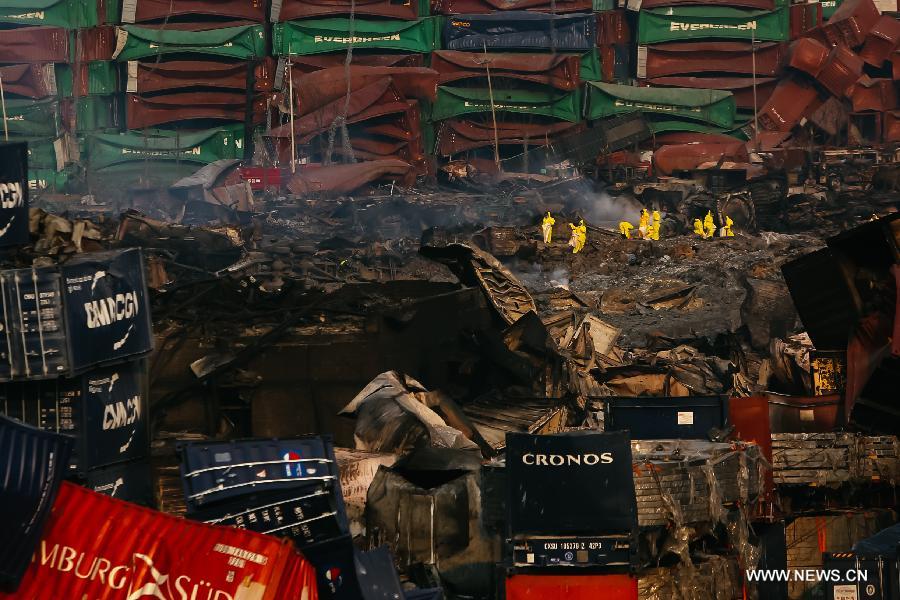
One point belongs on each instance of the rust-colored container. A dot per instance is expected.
(798, 414)
(29, 80)
(560, 71)
(97, 547)
(892, 126)
(306, 9)
(808, 55)
(460, 135)
(804, 17)
(873, 94)
(688, 58)
(792, 100)
(851, 22)
(144, 112)
(687, 157)
(95, 43)
(34, 45)
(144, 11)
(314, 62)
(750, 417)
(463, 7)
(166, 76)
(881, 41)
(840, 71)
(612, 27)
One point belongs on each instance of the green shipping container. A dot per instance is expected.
(50, 153)
(70, 14)
(49, 180)
(661, 124)
(682, 23)
(715, 107)
(601, 5)
(110, 150)
(315, 36)
(93, 113)
(33, 118)
(828, 7)
(102, 78)
(455, 101)
(243, 42)
(590, 66)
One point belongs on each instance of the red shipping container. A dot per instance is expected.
(96, 547)
(873, 94)
(263, 178)
(892, 126)
(804, 18)
(95, 43)
(841, 71)
(750, 417)
(808, 55)
(851, 22)
(612, 27)
(571, 587)
(881, 41)
(34, 45)
(791, 101)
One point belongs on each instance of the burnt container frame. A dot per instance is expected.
(257, 512)
(185, 450)
(88, 413)
(657, 417)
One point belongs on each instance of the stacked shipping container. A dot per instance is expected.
(353, 82)
(73, 360)
(58, 81)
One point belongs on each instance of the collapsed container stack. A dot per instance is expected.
(501, 94)
(58, 80)
(74, 362)
(738, 48)
(195, 81)
(840, 80)
(286, 488)
(353, 83)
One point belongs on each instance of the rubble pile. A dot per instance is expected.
(456, 299)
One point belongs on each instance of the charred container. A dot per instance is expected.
(657, 418)
(65, 320)
(131, 481)
(105, 410)
(286, 487)
(571, 502)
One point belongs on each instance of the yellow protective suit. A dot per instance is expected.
(547, 227)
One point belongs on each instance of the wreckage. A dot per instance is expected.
(466, 299)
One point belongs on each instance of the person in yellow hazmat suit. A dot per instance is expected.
(653, 232)
(726, 230)
(579, 236)
(547, 227)
(709, 227)
(698, 228)
(644, 223)
(625, 229)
